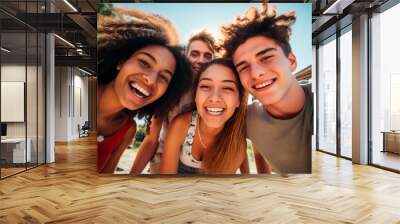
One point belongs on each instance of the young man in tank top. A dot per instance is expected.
(279, 122)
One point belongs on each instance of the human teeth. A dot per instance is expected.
(140, 89)
(213, 109)
(264, 84)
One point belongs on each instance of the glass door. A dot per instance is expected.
(326, 91)
(13, 103)
(385, 90)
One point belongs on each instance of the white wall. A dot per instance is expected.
(16, 72)
(71, 94)
(80, 110)
(33, 127)
(61, 103)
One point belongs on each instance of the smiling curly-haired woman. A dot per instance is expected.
(141, 72)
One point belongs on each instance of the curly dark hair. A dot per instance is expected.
(256, 23)
(118, 41)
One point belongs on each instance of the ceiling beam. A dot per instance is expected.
(81, 61)
(86, 26)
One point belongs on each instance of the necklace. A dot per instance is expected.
(201, 140)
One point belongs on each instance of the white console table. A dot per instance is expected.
(18, 149)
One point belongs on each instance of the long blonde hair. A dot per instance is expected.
(231, 142)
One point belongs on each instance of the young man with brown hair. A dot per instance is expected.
(200, 49)
(279, 123)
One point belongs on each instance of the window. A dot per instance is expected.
(385, 89)
(327, 96)
(22, 75)
(346, 94)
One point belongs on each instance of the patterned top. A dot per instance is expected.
(186, 156)
(185, 104)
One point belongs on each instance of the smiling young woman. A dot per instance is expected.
(140, 74)
(213, 140)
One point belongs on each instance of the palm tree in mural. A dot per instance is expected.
(106, 9)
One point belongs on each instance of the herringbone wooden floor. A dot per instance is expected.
(70, 191)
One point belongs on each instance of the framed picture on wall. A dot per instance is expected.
(12, 101)
(175, 82)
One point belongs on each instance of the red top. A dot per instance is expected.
(106, 147)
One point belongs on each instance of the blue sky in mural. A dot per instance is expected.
(191, 17)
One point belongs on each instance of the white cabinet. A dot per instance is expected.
(17, 146)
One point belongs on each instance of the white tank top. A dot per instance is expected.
(184, 105)
(186, 156)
